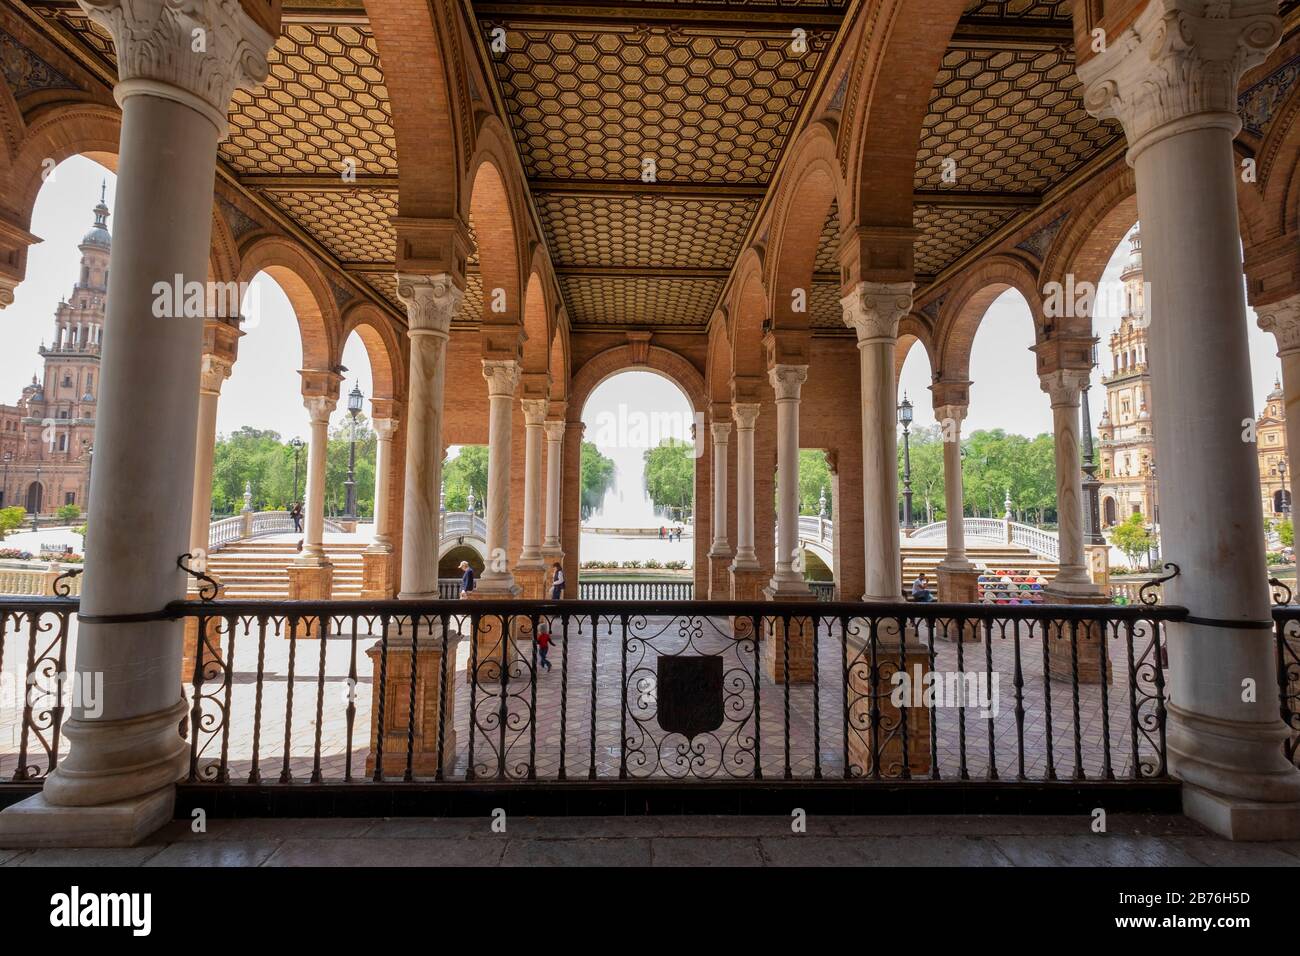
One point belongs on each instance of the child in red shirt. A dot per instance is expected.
(543, 643)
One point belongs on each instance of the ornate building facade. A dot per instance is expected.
(47, 438)
(1126, 429)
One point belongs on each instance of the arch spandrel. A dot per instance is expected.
(308, 291)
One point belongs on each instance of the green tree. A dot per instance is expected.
(927, 474)
(11, 518)
(1132, 537)
(68, 513)
(814, 477)
(1286, 531)
(336, 468)
(257, 458)
(467, 470)
(597, 478)
(670, 475)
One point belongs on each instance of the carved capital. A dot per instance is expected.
(319, 408)
(721, 432)
(1064, 385)
(554, 431)
(385, 428)
(950, 413)
(786, 381)
(502, 377)
(534, 411)
(746, 415)
(195, 52)
(874, 309)
(432, 302)
(1283, 320)
(215, 370)
(1173, 71)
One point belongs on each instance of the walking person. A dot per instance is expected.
(543, 643)
(557, 582)
(295, 514)
(466, 578)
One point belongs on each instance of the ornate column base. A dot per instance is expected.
(789, 644)
(1098, 558)
(531, 583)
(114, 787)
(746, 585)
(377, 575)
(397, 705)
(310, 583)
(861, 748)
(720, 577)
(1088, 637)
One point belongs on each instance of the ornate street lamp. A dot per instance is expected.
(350, 486)
(1286, 494)
(905, 419)
(296, 444)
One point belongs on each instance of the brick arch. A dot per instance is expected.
(1278, 175)
(560, 352)
(913, 330)
(223, 260)
(896, 62)
(676, 368)
(802, 206)
(383, 348)
(308, 291)
(1099, 221)
(499, 251)
(537, 325)
(969, 303)
(717, 369)
(415, 51)
(747, 317)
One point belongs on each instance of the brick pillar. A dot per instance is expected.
(397, 703)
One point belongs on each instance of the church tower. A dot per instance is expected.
(47, 437)
(1126, 429)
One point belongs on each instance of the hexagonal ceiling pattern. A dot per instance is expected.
(637, 300)
(948, 233)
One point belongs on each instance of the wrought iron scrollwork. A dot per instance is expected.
(208, 587)
(1281, 592)
(62, 586)
(1148, 593)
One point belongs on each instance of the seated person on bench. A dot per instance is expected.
(921, 590)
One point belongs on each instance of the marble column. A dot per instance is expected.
(432, 302)
(950, 418)
(786, 580)
(873, 311)
(551, 546)
(1283, 320)
(534, 410)
(215, 370)
(1172, 80)
(115, 784)
(385, 429)
(319, 409)
(746, 416)
(721, 433)
(1063, 387)
(502, 377)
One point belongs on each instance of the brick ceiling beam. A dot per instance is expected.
(975, 199)
(624, 187)
(315, 182)
(991, 33)
(747, 17)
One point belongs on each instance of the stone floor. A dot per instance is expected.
(1137, 840)
(558, 723)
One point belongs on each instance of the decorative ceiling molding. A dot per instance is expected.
(25, 72)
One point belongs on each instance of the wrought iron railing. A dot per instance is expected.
(636, 691)
(1286, 632)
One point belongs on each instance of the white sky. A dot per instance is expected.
(265, 390)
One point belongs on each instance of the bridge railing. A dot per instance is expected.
(457, 523)
(254, 524)
(1045, 544)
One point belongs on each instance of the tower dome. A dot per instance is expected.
(98, 234)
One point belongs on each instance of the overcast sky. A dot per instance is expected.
(265, 390)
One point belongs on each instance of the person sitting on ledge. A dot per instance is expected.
(921, 590)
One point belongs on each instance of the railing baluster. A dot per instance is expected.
(785, 670)
(902, 710)
(1133, 716)
(532, 705)
(350, 711)
(564, 696)
(320, 700)
(848, 691)
(286, 774)
(963, 770)
(1107, 771)
(933, 711)
(503, 707)
(622, 712)
(223, 770)
(413, 678)
(1018, 680)
(817, 696)
(1047, 699)
(445, 621)
(383, 698)
(254, 771)
(988, 673)
(758, 710)
(1074, 691)
(595, 626)
(874, 689)
(474, 625)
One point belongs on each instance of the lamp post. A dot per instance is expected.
(350, 486)
(1286, 494)
(905, 419)
(296, 444)
(1153, 549)
(1091, 485)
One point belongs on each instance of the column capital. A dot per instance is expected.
(196, 52)
(432, 301)
(1064, 385)
(874, 309)
(950, 413)
(950, 393)
(502, 377)
(320, 408)
(322, 383)
(554, 430)
(787, 380)
(746, 415)
(215, 370)
(721, 432)
(534, 411)
(385, 428)
(1172, 71)
(1283, 320)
